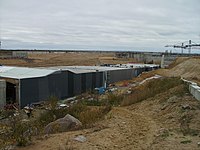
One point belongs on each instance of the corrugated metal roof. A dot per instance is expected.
(23, 72)
(85, 69)
(71, 69)
(99, 68)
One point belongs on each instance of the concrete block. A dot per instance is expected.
(197, 94)
(192, 89)
(195, 91)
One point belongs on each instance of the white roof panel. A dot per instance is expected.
(71, 69)
(132, 65)
(23, 72)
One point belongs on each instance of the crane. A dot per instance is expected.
(184, 45)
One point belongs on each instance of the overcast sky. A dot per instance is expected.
(98, 24)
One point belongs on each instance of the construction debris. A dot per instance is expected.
(80, 138)
(147, 79)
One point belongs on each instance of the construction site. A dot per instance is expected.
(118, 102)
(99, 75)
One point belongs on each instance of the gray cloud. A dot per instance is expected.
(98, 24)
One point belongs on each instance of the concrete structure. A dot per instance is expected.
(13, 54)
(29, 85)
(5, 54)
(2, 93)
(195, 91)
(19, 54)
(162, 65)
(153, 57)
(193, 88)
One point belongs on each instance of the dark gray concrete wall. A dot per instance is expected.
(40, 89)
(70, 84)
(58, 85)
(120, 75)
(77, 84)
(88, 81)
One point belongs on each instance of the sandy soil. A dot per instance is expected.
(166, 111)
(152, 124)
(188, 68)
(122, 129)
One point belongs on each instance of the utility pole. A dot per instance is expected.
(0, 45)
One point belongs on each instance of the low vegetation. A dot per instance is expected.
(87, 115)
(21, 132)
(88, 111)
(110, 100)
(150, 89)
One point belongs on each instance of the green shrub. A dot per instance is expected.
(53, 102)
(86, 114)
(76, 109)
(22, 133)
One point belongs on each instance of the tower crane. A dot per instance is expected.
(185, 45)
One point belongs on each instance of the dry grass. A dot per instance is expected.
(150, 89)
(66, 59)
(92, 115)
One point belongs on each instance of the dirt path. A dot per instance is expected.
(121, 129)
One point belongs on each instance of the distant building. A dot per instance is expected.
(13, 54)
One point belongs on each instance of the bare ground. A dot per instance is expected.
(188, 68)
(122, 129)
(156, 123)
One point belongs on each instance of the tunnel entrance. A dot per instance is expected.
(10, 93)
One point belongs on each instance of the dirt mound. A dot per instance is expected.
(188, 68)
(178, 61)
